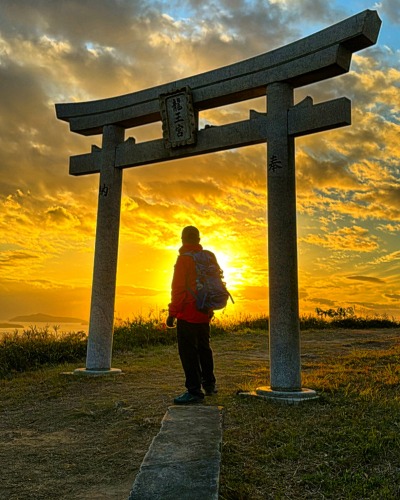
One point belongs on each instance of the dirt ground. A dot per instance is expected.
(80, 438)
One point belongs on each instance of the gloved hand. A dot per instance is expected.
(170, 321)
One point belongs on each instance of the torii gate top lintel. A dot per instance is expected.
(319, 56)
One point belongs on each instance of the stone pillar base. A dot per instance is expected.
(284, 397)
(83, 372)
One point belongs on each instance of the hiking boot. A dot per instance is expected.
(186, 399)
(210, 390)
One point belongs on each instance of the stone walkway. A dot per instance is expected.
(183, 460)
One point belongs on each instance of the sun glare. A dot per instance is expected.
(230, 272)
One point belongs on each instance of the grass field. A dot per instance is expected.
(70, 438)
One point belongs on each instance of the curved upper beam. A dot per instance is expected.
(322, 55)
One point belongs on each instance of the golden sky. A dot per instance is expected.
(348, 192)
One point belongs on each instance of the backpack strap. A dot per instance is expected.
(191, 254)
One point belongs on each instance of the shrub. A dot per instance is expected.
(142, 332)
(363, 323)
(35, 347)
(345, 317)
(310, 322)
(238, 323)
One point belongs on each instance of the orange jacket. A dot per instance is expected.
(183, 304)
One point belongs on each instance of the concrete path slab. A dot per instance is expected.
(183, 461)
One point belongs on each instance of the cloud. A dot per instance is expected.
(61, 218)
(132, 291)
(354, 170)
(77, 51)
(370, 279)
(39, 238)
(391, 9)
(389, 228)
(321, 301)
(31, 214)
(156, 207)
(395, 297)
(354, 239)
(373, 307)
(388, 258)
(10, 258)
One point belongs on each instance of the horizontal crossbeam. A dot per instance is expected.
(308, 118)
(319, 56)
(304, 118)
(209, 140)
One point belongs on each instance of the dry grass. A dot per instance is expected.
(71, 438)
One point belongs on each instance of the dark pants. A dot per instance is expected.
(196, 355)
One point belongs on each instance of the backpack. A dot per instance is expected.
(211, 292)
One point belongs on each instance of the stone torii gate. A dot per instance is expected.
(275, 74)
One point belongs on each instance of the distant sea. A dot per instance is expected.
(11, 326)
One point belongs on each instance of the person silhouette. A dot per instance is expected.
(192, 325)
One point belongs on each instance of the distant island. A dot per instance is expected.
(10, 325)
(47, 318)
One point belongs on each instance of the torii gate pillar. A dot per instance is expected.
(101, 324)
(284, 342)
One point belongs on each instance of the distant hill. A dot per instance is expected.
(47, 318)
